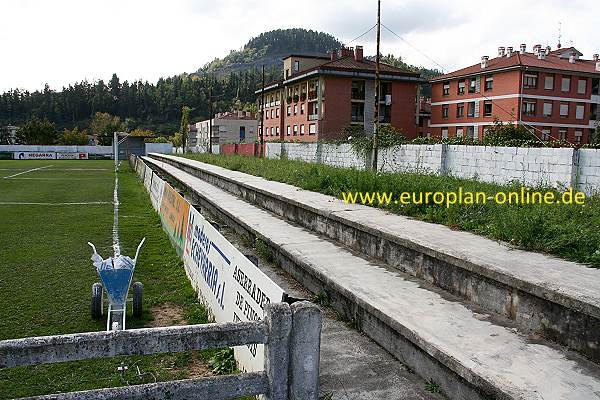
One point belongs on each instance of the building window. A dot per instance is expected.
(271, 113)
(562, 135)
(358, 112)
(530, 81)
(581, 86)
(295, 130)
(301, 129)
(471, 109)
(444, 133)
(460, 110)
(471, 132)
(579, 111)
(242, 133)
(529, 108)
(446, 89)
(358, 90)
(566, 84)
(295, 109)
(489, 83)
(549, 82)
(545, 134)
(277, 131)
(459, 132)
(296, 66)
(385, 114)
(271, 131)
(312, 129)
(445, 111)
(547, 109)
(564, 110)
(461, 86)
(302, 108)
(578, 136)
(289, 110)
(289, 130)
(277, 113)
(487, 108)
(267, 115)
(472, 85)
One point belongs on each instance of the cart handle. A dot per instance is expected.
(138, 250)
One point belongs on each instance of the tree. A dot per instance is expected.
(104, 125)
(185, 125)
(5, 137)
(177, 139)
(141, 132)
(74, 137)
(35, 131)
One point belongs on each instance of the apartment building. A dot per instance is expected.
(555, 91)
(424, 122)
(320, 96)
(227, 127)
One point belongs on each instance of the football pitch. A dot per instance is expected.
(49, 210)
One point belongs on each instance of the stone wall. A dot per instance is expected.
(555, 167)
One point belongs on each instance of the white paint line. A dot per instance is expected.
(25, 172)
(116, 245)
(2, 203)
(66, 178)
(80, 169)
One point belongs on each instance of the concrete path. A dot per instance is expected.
(493, 358)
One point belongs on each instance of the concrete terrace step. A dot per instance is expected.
(557, 299)
(468, 354)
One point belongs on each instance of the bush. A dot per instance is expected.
(74, 137)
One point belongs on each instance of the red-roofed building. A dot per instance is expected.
(320, 96)
(555, 91)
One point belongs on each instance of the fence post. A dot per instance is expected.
(279, 323)
(305, 346)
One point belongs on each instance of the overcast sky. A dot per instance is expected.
(62, 41)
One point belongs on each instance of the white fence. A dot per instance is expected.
(556, 167)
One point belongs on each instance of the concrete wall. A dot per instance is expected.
(164, 148)
(58, 149)
(555, 167)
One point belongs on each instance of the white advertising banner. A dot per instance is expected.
(141, 169)
(230, 286)
(71, 156)
(33, 155)
(148, 178)
(156, 191)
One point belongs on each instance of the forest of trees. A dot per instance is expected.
(158, 106)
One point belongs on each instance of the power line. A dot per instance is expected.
(363, 34)
(510, 113)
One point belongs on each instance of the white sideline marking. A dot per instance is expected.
(66, 178)
(116, 245)
(2, 203)
(24, 172)
(79, 169)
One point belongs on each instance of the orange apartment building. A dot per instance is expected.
(555, 91)
(320, 96)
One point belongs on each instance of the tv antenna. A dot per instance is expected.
(559, 34)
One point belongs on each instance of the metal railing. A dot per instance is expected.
(291, 335)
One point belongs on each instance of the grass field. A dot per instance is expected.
(46, 273)
(567, 231)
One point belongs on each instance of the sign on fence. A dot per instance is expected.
(174, 217)
(31, 155)
(72, 156)
(229, 285)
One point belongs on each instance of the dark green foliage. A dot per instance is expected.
(568, 231)
(36, 131)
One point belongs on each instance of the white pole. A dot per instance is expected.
(116, 150)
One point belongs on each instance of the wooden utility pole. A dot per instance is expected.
(377, 88)
(262, 112)
(210, 116)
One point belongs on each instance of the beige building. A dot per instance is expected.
(228, 127)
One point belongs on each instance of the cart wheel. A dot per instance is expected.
(138, 292)
(97, 300)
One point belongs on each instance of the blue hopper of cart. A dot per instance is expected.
(115, 274)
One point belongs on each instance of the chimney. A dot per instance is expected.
(334, 55)
(358, 53)
(548, 49)
(598, 66)
(347, 52)
(509, 51)
(541, 54)
(572, 58)
(523, 48)
(596, 57)
(484, 61)
(536, 49)
(500, 51)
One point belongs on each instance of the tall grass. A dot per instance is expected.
(568, 231)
